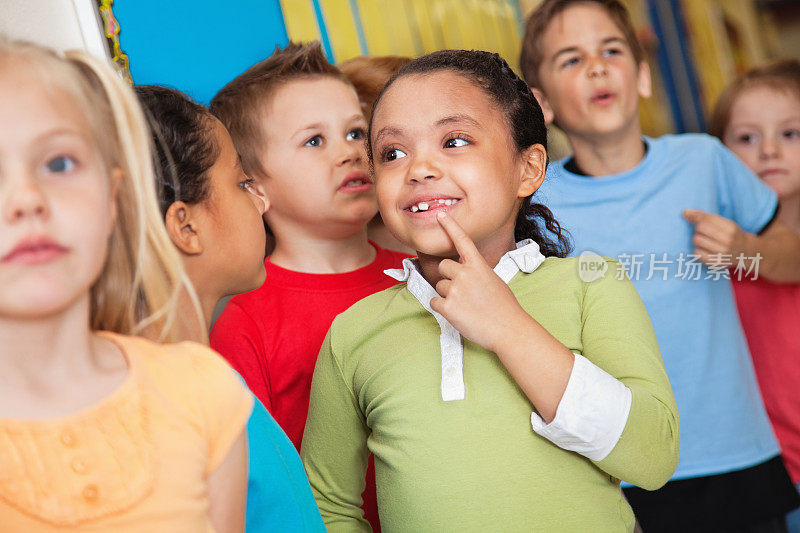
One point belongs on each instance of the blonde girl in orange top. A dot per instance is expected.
(100, 431)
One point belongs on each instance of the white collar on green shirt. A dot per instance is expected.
(525, 258)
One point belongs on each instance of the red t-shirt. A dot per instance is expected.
(770, 314)
(272, 337)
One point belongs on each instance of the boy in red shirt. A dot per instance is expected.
(297, 124)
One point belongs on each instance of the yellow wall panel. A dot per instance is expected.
(341, 29)
(430, 34)
(488, 13)
(443, 18)
(409, 41)
(374, 21)
(400, 26)
(415, 27)
(301, 23)
(470, 24)
(387, 27)
(510, 30)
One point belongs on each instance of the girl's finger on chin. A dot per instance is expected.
(464, 246)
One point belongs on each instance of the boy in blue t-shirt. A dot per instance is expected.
(678, 212)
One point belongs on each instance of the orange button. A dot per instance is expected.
(79, 466)
(90, 493)
(68, 438)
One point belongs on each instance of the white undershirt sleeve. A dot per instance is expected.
(592, 413)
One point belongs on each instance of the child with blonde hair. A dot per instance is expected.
(100, 430)
(758, 118)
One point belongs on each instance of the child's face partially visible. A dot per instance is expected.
(56, 206)
(315, 158)
(234, 236)
(588, 73)
(440, 143)
(764, 131)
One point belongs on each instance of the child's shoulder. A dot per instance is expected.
(686, 143)
(573, 265)
(371, 311)
(376, 303)
(588, 271)
(182, 369)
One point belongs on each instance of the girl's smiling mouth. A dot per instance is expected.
(430, 204)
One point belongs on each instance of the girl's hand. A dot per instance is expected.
(473, 298)
(716, 236)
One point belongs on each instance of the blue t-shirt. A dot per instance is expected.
(636, 216)
(279, 497)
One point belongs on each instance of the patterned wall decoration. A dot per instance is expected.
(111, 31)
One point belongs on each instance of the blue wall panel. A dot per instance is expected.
(197, 46)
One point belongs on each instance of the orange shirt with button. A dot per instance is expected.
(138, 460)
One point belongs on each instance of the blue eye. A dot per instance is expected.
(248, 185)
(393, 154)
(791, 134)
(569, 62)
(316, 140)
(356, 134)
(612, 52)
(456, 142)
(61, 164)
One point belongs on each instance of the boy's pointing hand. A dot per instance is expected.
(716, 236)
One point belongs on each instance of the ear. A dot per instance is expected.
(544, 103)
(534, 161)
(644, 83)
(115, 178)
(182, 229)
(260, 198)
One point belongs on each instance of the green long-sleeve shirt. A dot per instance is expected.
(476, 464)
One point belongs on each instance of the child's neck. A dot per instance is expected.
(192, 327)
(55, 366)
(789, 212)
(608, 154)
(323, 255)
(34, 347)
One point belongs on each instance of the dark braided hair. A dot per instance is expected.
(525, 120)
(184, 147)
